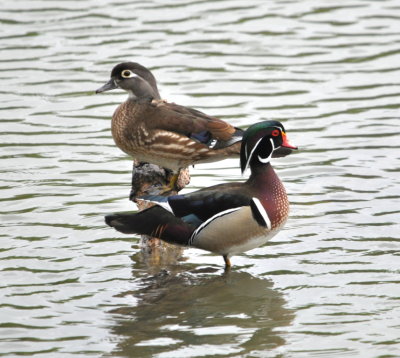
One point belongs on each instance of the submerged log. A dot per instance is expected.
(150, 179)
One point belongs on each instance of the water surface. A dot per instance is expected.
(326, 286)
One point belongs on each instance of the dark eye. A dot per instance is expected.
(127, 74)
(275, 132)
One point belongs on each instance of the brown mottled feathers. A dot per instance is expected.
(160, 133)
(166, 134)
(184, 120)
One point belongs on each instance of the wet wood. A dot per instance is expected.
(150, 179)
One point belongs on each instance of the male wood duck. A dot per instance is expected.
(172, 136)
(225, 219)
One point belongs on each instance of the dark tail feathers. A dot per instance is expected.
(155, 222)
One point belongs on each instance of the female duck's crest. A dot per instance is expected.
(260, 141)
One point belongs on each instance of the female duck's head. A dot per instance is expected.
(134, 78)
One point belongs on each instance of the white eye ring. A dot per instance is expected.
(127, 74)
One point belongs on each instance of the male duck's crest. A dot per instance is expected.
(260, 141)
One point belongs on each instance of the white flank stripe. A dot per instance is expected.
(262, 212)
(208, 221)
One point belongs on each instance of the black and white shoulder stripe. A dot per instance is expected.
(259, 213)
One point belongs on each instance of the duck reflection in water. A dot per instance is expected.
(199, 312)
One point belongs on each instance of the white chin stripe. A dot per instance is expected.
(131, 94)
(264, 160)
(262, 212)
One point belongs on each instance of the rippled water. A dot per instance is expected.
(326, 286)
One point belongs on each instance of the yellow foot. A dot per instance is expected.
(173, 181)
(166, 189)
(170, 187)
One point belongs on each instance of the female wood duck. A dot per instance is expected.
(167, 134)
(225, 219)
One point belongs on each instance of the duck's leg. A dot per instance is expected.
(172, 179)
(227, 262)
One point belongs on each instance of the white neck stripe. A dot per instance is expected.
(251, 154)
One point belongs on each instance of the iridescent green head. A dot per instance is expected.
(259, 142)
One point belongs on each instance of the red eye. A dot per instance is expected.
(275, 132)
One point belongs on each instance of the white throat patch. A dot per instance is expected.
(131, 95)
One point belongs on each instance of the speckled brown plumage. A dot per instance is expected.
(270, 190)
(156, 132)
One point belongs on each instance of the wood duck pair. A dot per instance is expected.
(166, 134)
(225, 219)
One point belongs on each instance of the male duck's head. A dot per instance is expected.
(134, 78)
(260, 141)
